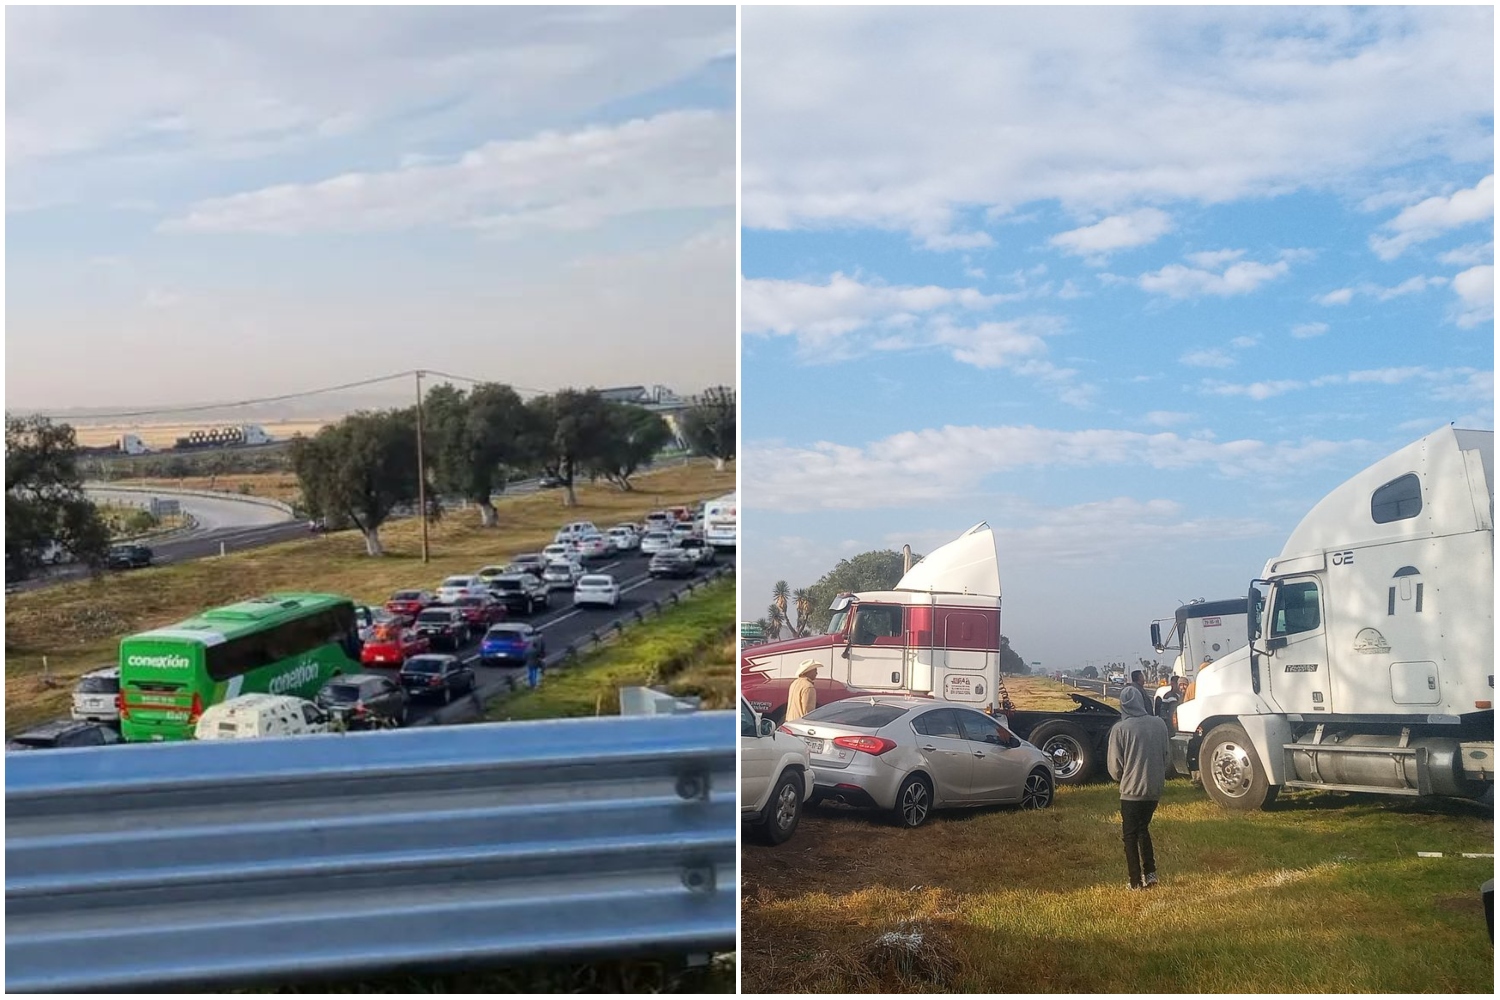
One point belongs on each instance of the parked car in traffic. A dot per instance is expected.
(255, 715)
(444, 627)
(488, 573)
(436, 676)
(653, 542)
(775, 777)
(673, 562)
(659, 520)
(455, 587)
(364, 701)
(596, 590)
(129, 557)
(513, 642)
(558, 550)
(530, 562)
(913, 755)
(410, 602)
(367, 619)
(63, 734)
(592, 546)
(96, 695)
(702, 552)
(625, 539)
(562, 574)
(480, 611)
(575, 530)
(521, 593)
(681, 530)
(391, 645)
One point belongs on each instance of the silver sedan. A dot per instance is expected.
(913, 755)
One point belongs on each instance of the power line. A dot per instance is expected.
(482, 381)
(201, 408)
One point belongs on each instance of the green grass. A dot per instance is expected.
(1324, 893)
(688, 649)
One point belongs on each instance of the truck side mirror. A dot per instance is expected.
(1155, 636)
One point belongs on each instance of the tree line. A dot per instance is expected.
(476, 442)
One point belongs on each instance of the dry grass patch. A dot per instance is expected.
(281, 486)
(1323, 894)
(1043, 694)
(79, 625)
(162, 436)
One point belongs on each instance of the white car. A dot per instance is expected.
(560, 550)
(682, 529)
(775, 777)
(95, 696)
(577, 529)
(624, 538)
(562, 574)
(461, 586)
(597, 589)
(592, 546)
(659, 520)
(653, 542)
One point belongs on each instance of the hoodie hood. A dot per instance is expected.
(1132, 702)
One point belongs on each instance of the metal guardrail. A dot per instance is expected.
(175, 866)
(170, 491)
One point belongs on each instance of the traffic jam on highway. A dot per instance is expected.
(285, 664)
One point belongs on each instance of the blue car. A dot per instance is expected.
(512, 642)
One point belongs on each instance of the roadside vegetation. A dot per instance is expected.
(688, 649)
(1324, 894)
(78, 625)
(669, 975)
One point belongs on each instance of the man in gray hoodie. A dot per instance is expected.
(1139, 754)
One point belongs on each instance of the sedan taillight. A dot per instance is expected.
(872, 745)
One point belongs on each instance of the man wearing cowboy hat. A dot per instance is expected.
(802, 697)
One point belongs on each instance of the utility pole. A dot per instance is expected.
(421, 470)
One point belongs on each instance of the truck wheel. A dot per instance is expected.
(778, 821)
(1233, 775)
(1070, 750)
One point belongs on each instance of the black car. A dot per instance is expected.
(445, 627)
(521, 593)
(701, 551)
(364, 701)
(63, 734)
(532, 562)
(129, 557)
(436, 676)
(550, 482)
(673, 562)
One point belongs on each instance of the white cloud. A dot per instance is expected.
(922, 117)
(555, 180)
(1167, 418)
(1431, 218)
(1338, 297)
(1475, 289)
(1381, 293)
(1208, 358)
(1472, 253)
(1303, 331)
(1254, 390)
(1241, 343)
(845, 304)
(1441, 383)
(915, 468)
(1238, 278)
(990, 345)
(1118, 232)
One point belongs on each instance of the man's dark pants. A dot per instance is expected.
(1135, 822)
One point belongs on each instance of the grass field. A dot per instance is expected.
(78, 626)
(158, 436)
(1324, 894)
(281, 486)
(688, 649)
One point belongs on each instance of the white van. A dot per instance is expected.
(252, 715)
(96, 696)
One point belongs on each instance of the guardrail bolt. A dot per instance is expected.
(692, 786)
(699, 878)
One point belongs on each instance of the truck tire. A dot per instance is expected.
(778, 820)
(1070, 749)
(1233, 775)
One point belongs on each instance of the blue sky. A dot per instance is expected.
(1135, 286)
(540, 196)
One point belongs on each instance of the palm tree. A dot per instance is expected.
(776, 621)
(803, 604)
(780, 594)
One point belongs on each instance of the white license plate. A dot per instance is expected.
(813, 746)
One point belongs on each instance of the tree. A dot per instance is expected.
(878, 570)
(1011, 662)
(1090, 671)
(781, 595)
(1153, 670)
(359, 470)
(472, 439)
(44, 498)
(569, 428)
(803, 606)
(775, 620)
(709, 426)
(633, 437)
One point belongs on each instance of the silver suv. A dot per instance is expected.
(775, 777)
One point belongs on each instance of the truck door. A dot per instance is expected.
(1298, 643)
(877, 647)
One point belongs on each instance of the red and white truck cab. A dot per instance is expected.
(937, 633)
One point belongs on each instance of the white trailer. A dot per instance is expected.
(1369, 664)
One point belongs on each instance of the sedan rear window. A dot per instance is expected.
(506, 584)
(855, 714)
(434, 617)
(596, 581)
(98, 685)
(510, 632)
(417, 665)
(407, 595)
(344, 692)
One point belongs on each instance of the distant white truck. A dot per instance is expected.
(1200, 631)
(1369, 661)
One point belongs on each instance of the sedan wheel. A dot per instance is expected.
(914, 802)
(1038, 791)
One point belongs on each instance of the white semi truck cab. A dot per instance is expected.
(1200, 631)
(1369, 661)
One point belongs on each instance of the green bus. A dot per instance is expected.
(277, 644)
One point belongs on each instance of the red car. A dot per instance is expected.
(410, 602)
(390, 646)
(481, 611)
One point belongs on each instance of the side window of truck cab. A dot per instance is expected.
(1297, 609)
(876, 621)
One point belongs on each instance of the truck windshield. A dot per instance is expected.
(836, 623)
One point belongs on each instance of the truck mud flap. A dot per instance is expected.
(1184, 754)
